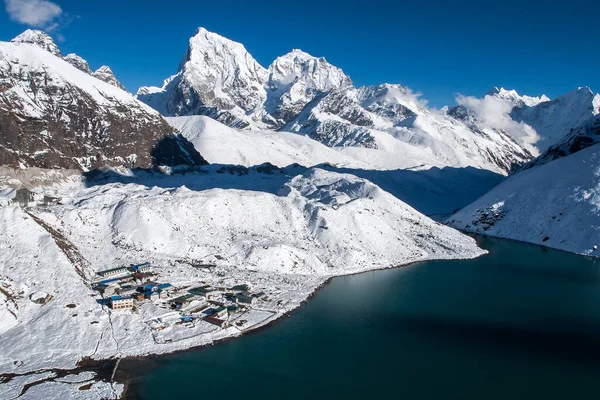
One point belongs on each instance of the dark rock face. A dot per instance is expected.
(49, 121)
(176, 150)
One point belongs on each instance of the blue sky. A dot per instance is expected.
(438, 48)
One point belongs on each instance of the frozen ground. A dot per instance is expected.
(281, 232)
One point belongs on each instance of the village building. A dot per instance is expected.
(245, 298)
(23, 197)
(106, 289)
(152, 295)
(167, 287)
(144, 268)
(114, 272)
(179, 302)
(221, 323)
(221, 313)
(50, 200)
(121, 303)
(127, 292)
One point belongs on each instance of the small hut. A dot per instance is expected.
(23, 197)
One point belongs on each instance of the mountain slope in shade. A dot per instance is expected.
(555, 205)
(53, 115)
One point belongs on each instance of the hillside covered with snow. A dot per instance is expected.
(556, 205)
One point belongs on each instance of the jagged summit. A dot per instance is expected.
(307, 95)
(218, 78)
(78, 62)
(315, 72)
(554, 119)
(515, 98)
(38, 38)
(297, 78)
(104, 73)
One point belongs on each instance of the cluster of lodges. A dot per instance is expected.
(213, 304)
(123, 285)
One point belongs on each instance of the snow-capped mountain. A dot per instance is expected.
(105, 74)
(55, 115)
(391, 119)
(217, 77)
(555, 205)
(297, 78)
(516, 99)
(39, 39)
(554, 119)
(307, 95)
(579, 138)
(78, 63)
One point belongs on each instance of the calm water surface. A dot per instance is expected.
(520, 323)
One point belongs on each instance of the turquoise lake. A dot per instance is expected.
(520, 323)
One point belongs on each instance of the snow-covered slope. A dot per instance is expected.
(555, 205)
(220, 144)
(390, 118)
(54, 115)
(436, 192)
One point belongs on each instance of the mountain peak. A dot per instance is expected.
(38, 38)
(314, 72)
(104, 73)
(514, 97)
(78, 62)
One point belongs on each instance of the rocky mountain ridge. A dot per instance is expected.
(56, 115)
(304, 94)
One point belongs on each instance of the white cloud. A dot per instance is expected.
(495, 112)
(36, 13)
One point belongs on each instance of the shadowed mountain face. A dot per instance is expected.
(54, 115)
